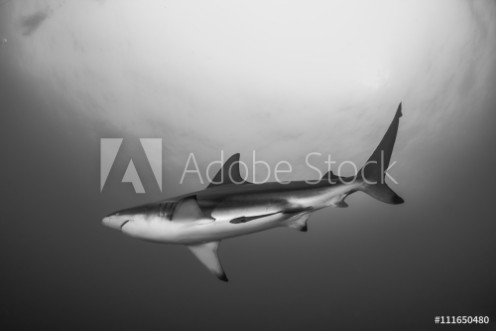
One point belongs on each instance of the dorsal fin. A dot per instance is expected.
(229, 173)
(207, 254)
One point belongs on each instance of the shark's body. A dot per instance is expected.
(231, 207)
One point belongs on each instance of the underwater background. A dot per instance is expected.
(283, 79)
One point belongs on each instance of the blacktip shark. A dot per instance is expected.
(231, 206)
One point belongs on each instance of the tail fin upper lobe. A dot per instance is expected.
(372, 173)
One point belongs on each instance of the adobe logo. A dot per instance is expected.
(109, 148)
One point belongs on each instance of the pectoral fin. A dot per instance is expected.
(207, 254)
(188, 210)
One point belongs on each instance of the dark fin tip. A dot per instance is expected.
(223, 277)
(397, 200)
(304, 228)
(399, 113)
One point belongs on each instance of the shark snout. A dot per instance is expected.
(115, 221)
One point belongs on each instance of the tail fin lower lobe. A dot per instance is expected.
(373, 172)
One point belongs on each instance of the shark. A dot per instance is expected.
(230, 206)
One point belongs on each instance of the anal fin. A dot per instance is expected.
(339, 202)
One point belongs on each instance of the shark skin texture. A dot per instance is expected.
(231, 207)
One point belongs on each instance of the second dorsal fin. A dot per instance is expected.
(331, 177)
(229, 173)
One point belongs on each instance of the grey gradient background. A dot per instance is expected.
(281, 78)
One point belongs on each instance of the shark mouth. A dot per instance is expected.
(124, 223)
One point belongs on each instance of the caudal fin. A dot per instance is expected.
(373, 172)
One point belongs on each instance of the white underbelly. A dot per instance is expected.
(222, 228)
